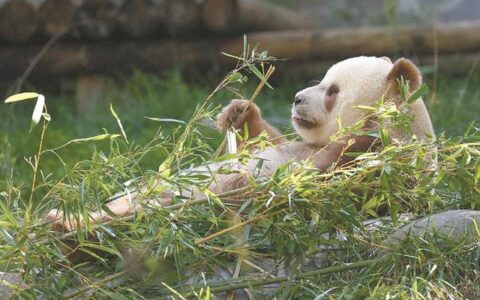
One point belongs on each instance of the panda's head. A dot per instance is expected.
(355, 81)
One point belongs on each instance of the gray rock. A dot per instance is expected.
(6, 281)
(452, 224)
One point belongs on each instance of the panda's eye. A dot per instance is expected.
(332, 90)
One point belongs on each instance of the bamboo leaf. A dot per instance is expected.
(96, 138)
(37, 111)
(259, 74)
(22, 97)
(166, 120)
(420, 92)
(114, 114)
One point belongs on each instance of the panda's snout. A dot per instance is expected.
(299, 99)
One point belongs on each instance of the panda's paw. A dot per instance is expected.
(237, 114)
(57, 222)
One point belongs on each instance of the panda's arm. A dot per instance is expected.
(338, 153)
(240, 115)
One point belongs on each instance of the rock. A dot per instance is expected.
(452, 224)
(6, 281)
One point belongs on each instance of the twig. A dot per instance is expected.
(236, 226)
(127, 218)
(250, 281)
(260, 86)
(83, 289)
(334, 269)
(53, 40)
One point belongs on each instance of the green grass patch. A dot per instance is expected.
(292, 216)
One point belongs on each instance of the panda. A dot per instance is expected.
(315, 114)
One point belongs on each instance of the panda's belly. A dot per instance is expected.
(268, 161)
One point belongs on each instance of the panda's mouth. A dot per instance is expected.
(303, 122)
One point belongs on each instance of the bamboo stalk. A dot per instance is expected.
(84, 289)
(260, 86)
(246, 282)
(254, 283)
(127, 218)
(231, 228)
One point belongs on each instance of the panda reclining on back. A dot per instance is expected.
(315, 112)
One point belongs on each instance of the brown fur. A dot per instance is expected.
(404, 68)
(331, 98)
(239, 113)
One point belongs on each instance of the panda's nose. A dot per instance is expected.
(298, 99)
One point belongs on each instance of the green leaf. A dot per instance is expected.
(234, 77)
(232, 56)
(95, 138)
(365, 107)
(7, 237)
(420, 92)
(477, 175)
(114, 114)
(404, 87)
(166, 120)
(22, 97)
(7, 213)
(259, 74)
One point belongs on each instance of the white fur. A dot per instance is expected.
(361, 80)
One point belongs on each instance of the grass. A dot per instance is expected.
(456, 105)
(285, 218)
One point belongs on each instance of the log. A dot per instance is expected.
(18, 19)
(67, 59)
(57, 16)
(375, 40)
(222, 16)
(182, 16)
(98, 18)
(140, 18)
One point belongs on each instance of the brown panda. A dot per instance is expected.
(315, 114)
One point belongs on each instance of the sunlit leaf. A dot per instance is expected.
(22, 97)
(37, 111)
(166, 120)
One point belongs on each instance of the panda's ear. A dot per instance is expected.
(406, 69)
(386, 58)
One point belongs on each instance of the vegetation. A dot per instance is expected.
(301, 231)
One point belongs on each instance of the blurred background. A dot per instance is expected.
(160, 58)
